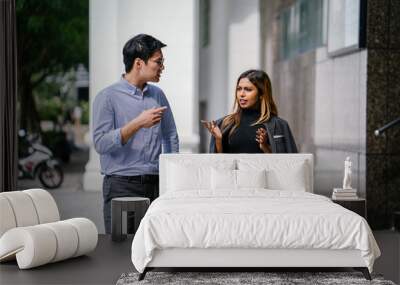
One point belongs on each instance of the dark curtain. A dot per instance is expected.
(8, 97)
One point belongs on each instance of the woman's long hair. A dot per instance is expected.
(265, 102)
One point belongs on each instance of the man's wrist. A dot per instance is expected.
(138, 123)
(129, 129)
(123, 135)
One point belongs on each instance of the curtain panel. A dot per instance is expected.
(8, 97)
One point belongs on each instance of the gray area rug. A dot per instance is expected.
(229, 278)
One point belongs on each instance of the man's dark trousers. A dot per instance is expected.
(127, 186)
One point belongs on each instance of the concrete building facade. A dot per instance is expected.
(335, 101)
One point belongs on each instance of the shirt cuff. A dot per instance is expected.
(117, 137)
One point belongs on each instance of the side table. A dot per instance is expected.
(357, 205)
(137, 205)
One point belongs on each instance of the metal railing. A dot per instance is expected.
(381, 130)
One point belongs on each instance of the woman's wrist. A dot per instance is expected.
(218, 142)
(218, 145)
(265, 148)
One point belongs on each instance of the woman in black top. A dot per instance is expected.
(254, 126)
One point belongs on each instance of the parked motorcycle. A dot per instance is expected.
(36, 160)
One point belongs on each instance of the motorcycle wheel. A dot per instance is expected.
(51, 177)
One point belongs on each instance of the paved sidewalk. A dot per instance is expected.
(71, 199)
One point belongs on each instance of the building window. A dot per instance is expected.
(346, 26)
(301, 28)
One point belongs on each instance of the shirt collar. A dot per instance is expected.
(132, 89)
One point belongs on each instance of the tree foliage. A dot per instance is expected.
(52, 37)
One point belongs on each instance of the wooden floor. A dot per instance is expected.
(102, 266)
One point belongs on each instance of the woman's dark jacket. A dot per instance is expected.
(279, 135)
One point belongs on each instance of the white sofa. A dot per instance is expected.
(31, 231)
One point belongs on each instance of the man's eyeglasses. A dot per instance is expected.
(160, 61)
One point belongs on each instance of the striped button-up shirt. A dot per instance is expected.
(113, 108)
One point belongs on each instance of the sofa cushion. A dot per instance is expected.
(87, 233)
(27, 208)
(32, 246)
(7, 220)
(23, 208)
(45, 205)
(67, 240)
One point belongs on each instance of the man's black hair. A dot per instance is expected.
(141, 46)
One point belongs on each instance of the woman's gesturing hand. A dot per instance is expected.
(213, 129)
(261, 138)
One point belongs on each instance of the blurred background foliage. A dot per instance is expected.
(52, 40)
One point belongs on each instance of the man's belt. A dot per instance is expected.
(143, 179)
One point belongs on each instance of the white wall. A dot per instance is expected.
(235, 46)
(213, 62)
(174, 22)
(340, 119)
(103, 70)
(244, 42)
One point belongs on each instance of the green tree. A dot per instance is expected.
(52, 37)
